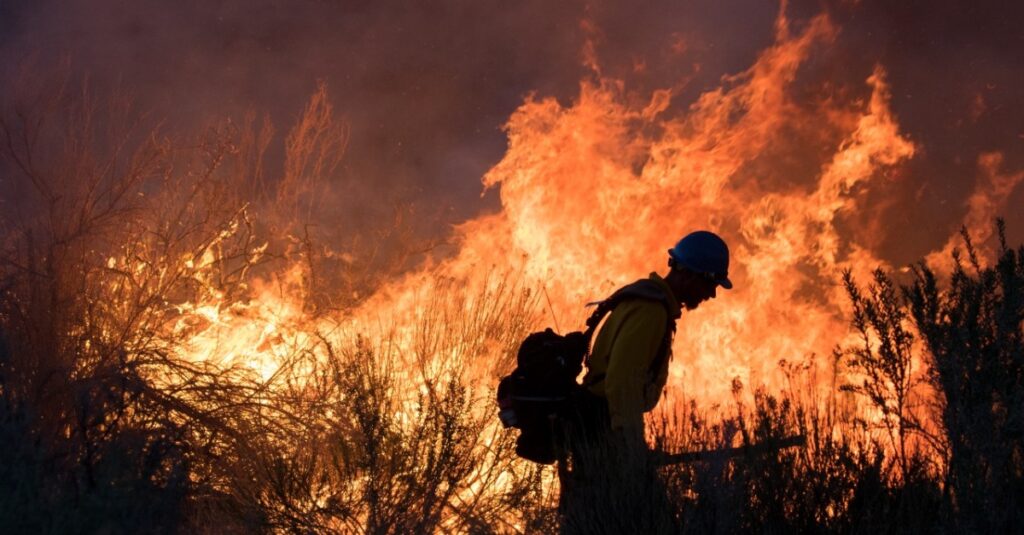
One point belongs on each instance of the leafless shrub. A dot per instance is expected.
(974, 331)
(88, 275)
(885, 359)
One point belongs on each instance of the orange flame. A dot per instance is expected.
(595, 192)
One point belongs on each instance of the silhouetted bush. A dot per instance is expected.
(974, 330)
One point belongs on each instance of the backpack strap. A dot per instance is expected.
(642, 289)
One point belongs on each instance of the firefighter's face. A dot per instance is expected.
(699, 289)
(692, 288)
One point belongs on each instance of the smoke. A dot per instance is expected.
(426, 87)
(955, 73)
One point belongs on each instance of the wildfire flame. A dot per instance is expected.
(594, 192)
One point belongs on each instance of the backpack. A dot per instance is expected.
(542, 387)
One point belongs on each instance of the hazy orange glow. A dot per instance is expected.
(593, 193)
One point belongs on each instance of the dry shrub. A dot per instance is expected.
(974, 330)
(90, 264)
(111, 422)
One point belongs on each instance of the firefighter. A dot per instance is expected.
(608, 482)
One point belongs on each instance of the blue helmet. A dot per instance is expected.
(705, 253)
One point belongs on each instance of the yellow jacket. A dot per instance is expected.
(619, 369)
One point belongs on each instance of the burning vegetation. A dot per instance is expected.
(182, 349)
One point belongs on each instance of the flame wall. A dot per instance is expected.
(593, 193)
(843, 135)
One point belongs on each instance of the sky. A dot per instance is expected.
(426, 87)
